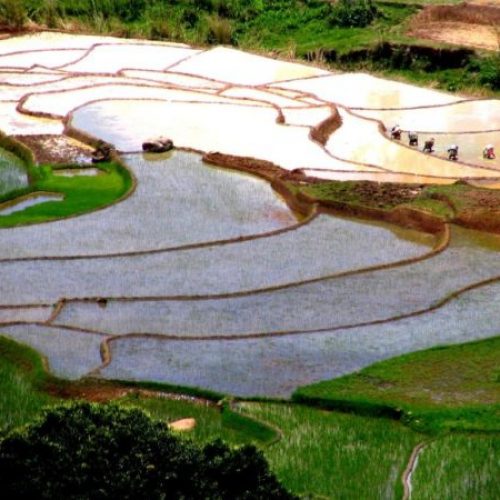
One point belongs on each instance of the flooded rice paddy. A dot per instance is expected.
(204, 276)
(246, 317)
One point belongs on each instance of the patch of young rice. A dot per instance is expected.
(276, 366)
(462, 117)
(234, 66)
(366, 91)
(20, 204)
(314, 250)
(336, 455)
(112, 58)
(458, 466)
(69, 354)
(210, 423)
(13, 174)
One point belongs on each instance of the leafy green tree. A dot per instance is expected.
(104, 451)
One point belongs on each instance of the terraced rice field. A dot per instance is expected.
(205, 276)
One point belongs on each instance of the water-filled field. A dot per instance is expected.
(203, 276)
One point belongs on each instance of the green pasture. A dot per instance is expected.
(454, 387)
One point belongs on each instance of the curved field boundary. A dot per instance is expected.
(107, 354)
(440, 247)
(283, 333)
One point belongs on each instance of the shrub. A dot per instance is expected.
(490, 72)
(12, 14)
(96, 451)
(220, 30)
(352, 13)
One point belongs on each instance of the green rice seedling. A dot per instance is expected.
(336, 455)
(458, 466)
(21, 374)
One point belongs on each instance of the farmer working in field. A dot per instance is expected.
(412, 139)
(489, 152)
(429, 146)
(453, 152)
(396, 132)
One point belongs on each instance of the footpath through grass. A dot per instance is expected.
(445, 388)
(336, 455)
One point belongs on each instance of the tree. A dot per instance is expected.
(104, 451)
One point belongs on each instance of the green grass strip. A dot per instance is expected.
(82, 194)
(440, 389)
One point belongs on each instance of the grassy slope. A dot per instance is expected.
(326, 452)
(320, 452)
(21, 377)
(454, 387)
(81, 194)
(308, 30)
(24, 382)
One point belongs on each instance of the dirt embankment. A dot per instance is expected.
(470, 25)
(322, 132)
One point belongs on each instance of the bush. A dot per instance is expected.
(352, 13)
(12, 14)
(96, 451)
(220, 30)
(490, 72)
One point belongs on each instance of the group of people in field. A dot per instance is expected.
(396, 132)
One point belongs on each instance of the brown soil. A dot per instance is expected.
(98, 391)
(56, 149)
(457, 33)
(472, 25)
(322, 132)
